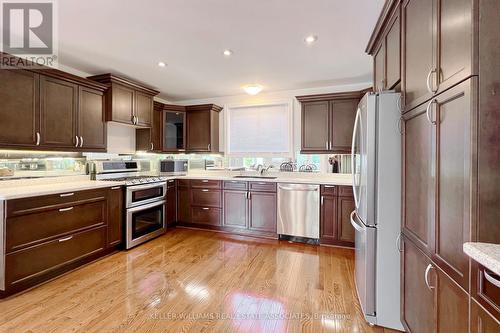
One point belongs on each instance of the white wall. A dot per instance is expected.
(279, 96)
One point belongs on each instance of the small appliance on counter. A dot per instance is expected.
(173, 166)
(201, 164)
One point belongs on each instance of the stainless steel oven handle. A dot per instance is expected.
(146, 186)
(146, 206)
(354, 223)
(491, 279)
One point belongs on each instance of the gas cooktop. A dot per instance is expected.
(135, 180)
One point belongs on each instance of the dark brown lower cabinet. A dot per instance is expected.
(115, 216)
(171, 204)
(183, 204)
(452, 305)
(482, 321)
(337, 204)
(235, 209)
(262, 212)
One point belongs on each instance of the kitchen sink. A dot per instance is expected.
(258, 177)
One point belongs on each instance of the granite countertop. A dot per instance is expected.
(339, 181)
(487, 254)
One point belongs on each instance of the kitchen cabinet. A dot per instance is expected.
(452, 305)
(174, 128)
(58, 101)
(385, 47)
(418, 306)
(48, 235)
(262, 211)
(150, 139)
(485, 290)
(336, 206)
(202, 128)
(437, 47)
(115, 216)
(183, 203)
(327, 121)
(127, 102)
(91, 123)
(481, 320)
(235, 209)
(20, 111)
(171, 204)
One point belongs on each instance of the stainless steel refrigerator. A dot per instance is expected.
(376, 171)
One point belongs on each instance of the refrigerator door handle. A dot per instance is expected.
(353, 164)
(355, 224)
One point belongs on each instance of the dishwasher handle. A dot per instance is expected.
(310, 189)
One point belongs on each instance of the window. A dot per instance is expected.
(259, 130)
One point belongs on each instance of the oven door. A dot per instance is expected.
(145, 222)
(143, 194)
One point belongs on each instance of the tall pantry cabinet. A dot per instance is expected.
(449, 82)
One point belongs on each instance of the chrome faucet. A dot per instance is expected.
(265, 169)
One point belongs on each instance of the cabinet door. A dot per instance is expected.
(379, 80)
(315, 126)
(482, 321)
(235, 209)
(262, 212)
(345, 229)
(452, 305)
(156, 131)
(343, 115)
(122, 102)
(92, 127)
(115, 216)
(183, 204)
(393, 51)
(453, 112)
(143, 109)
(454, 42)
(171, 206)
(418, 178)
(328, 217)
(58, 100)
(19, 111)
(417, 298)
(198, 131)
(417, 52)
(174, 131)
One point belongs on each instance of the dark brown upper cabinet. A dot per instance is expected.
(202, 128)
(20, 108)
(327, 121)
(127, 102)
(174, 128)
(52, 110)
(384, 46)
(150, 139)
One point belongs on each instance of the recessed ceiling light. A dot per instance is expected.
(311, 39)
(253, 89)
(228, 52)
(162, 64)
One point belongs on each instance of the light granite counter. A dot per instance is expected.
(487, 254)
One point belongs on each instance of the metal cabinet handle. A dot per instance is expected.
(152, 146)
(329, 186)
(249, 195)
(209, 146)
(322, 200)
(37, 138)
(428, 82)
(81, 141)
(491, 279)
(77, 144)
(133, 119)
(65, 239)
(206, 208)
(116, 187)
(66, 194)
(428, 112)
(426, 276)
(398, 243)
(66, 209)
(204, 190)
(204, 181)
(171, 181)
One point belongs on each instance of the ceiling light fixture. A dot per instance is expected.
(228, 53)
(253, 89)
(311, 39)
(162, 64)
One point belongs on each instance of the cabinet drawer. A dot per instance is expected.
(235, 185)
(27, 229)
(47, 202)
(206, 183)
(262, 186)
(183, 182)
(205, 215)
(329, 190)
(38, 260)
(345, 191)
(205, 197)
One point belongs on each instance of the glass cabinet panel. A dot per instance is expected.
(173, 130)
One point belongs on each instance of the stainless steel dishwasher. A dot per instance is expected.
(298, 210)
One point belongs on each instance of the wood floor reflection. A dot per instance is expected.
(198, 281)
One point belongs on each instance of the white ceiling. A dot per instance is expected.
(129, 37)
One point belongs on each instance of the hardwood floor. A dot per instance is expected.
(198, 281)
